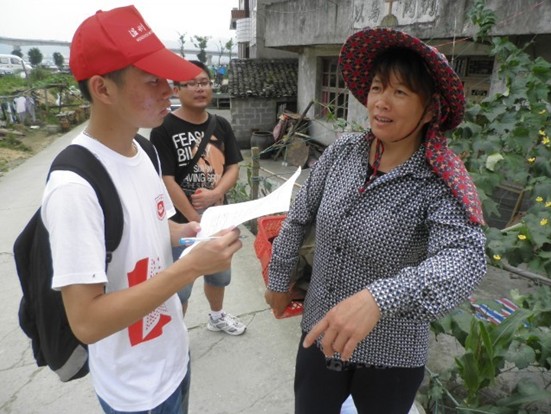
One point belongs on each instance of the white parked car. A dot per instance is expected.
(13, 64)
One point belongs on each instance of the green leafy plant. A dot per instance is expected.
(242, 191)
(522, 342)
(9, 84)
(339, 124)
(35, 56)
(10, 141)
(484, 18)
(505, 139)
(201, 42)
(229, 47)
(59, 60)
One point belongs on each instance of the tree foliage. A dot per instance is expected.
(200, 42)
(182, 42)
(506, 139)
(221, 49)
(229, 47)
(58, 60)
(17, 52)
(35, 56)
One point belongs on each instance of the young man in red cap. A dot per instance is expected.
(129, 314)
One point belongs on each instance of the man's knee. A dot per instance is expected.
(185, 293)
(221, 279)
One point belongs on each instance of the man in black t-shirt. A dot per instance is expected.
(195, 188)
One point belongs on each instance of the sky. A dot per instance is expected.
(58, 19)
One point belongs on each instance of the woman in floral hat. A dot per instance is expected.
(399, 238)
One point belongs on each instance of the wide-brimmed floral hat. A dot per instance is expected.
(361, 49)
(357, 58)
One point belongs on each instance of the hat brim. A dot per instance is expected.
(168, 65)
(361, 50)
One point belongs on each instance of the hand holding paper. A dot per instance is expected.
(222, 217)
(231, 215)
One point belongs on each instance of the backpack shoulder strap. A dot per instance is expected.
(150, 150)
(81, 161)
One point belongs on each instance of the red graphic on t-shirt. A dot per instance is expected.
(151, 326)
(160, 208)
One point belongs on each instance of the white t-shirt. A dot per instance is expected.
(20, 104)
(139, 367)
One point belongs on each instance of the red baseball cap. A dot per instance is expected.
(114, 39)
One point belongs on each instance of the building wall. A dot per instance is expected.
(293, 24)
(258, 39)
(249, 114)
(316, 28)
(321, 131)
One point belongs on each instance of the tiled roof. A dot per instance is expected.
(263, 78)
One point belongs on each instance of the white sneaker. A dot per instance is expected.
(227, 323)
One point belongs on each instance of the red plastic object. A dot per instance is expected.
(267, 229)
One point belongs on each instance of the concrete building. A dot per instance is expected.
(249, 22)
(314, 30)
(260, 90)
(262, 81)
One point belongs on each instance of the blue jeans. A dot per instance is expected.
(177, 403)
(221, 279)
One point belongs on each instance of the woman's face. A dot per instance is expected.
(395, 112)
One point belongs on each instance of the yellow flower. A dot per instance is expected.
(497, 257)
(531, 160)
(548, 204)
(542, 132)
(542, 112)
(545, 140)
(543, 222)
(539, 199)
(521, 237)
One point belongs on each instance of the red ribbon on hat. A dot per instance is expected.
(449, 167)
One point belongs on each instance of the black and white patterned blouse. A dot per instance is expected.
(406, 239)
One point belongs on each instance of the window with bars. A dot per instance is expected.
(334, 95)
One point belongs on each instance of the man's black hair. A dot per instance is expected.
(115, 76)
(201, 66)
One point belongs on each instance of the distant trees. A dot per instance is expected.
(200, 42)
(229, 46)
(58, 60)
(221, 49)
(17, 52)
(182, 40)
(35, 56)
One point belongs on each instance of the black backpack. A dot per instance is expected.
(41, 312)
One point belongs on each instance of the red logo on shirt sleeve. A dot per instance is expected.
(161, 211)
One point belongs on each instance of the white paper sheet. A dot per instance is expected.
(218, 218)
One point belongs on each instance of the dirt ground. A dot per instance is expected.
(34, 139)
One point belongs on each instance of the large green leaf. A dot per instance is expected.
(521, 355)
(526, 392)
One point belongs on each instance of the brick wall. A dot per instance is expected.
(250, 114)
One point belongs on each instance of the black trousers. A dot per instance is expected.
(319, 390)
